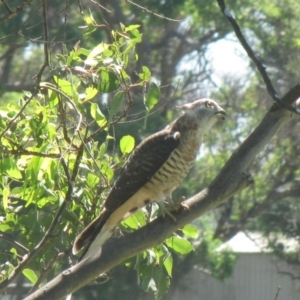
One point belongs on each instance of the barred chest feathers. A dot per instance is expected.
(176, 168)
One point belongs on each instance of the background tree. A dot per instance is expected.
(44, 150)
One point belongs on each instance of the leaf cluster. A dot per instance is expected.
(55, 174)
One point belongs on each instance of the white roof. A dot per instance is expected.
(254, 242)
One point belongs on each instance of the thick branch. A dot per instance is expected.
(230, 180)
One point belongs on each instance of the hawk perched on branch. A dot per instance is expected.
(153, 171)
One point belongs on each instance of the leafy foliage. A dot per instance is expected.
(55, 174)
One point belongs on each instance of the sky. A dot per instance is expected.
(228, 57)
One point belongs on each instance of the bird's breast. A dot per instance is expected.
(175, 169)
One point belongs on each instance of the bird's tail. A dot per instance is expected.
(94, 235)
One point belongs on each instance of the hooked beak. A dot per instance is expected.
(221, 114)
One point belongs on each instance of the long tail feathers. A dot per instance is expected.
(96, 245)
(94, 235)
(87, 234)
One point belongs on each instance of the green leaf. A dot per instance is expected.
(190, 230)
(61, 58)
(6, 227)
(67, 87)
(163, 287)
(13, 170)
(53, 99)
(135, 221)
(5, 194)
(29, 274)
(14, 173)
(97, 50)
(89, 20)
(116, 103)
(147, 277)
(126, 144)
(102, 150)
(131, 222)
(98, 115)
(92, 180)
(109, 81)
(152, 96)
(90, 93)
(131, 27)
(179, 245)
(107, 170)
(145, 75)
(140, 217)
(168, 263)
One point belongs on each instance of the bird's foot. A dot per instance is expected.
(171, 216)
(177, 206)
(166, 210)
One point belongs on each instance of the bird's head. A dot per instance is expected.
(205, 112)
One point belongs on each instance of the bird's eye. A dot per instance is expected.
(208, 104)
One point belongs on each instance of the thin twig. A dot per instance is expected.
(13, 242)
(11, 254)
(104, 8)
(151, 12)
(16, 116)
(260, 67)
(46, 49)
(13, 13)
(44, 272)
(52, 87)
(80, 7)
(277, 293)
(33, 153)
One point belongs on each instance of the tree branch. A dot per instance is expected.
(230, 180)
(46, 64)
(142, 8)
(12, 13)
(260, 67)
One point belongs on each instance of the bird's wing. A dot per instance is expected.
(144, 162)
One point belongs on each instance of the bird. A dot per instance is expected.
(152, 172)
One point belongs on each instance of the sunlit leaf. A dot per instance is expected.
(5, 194)
(12, 170)
(67, 87)
(168, 264)
(131, 222)
(92, 180)
(107, 170)
(135, 221)
(97, 50)
(179, 245)
(152, 96)
(131, 27)
(127, 144)
(97, 114)
(190, 230)
(145, 75)
(29, 274)
(90, 93)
